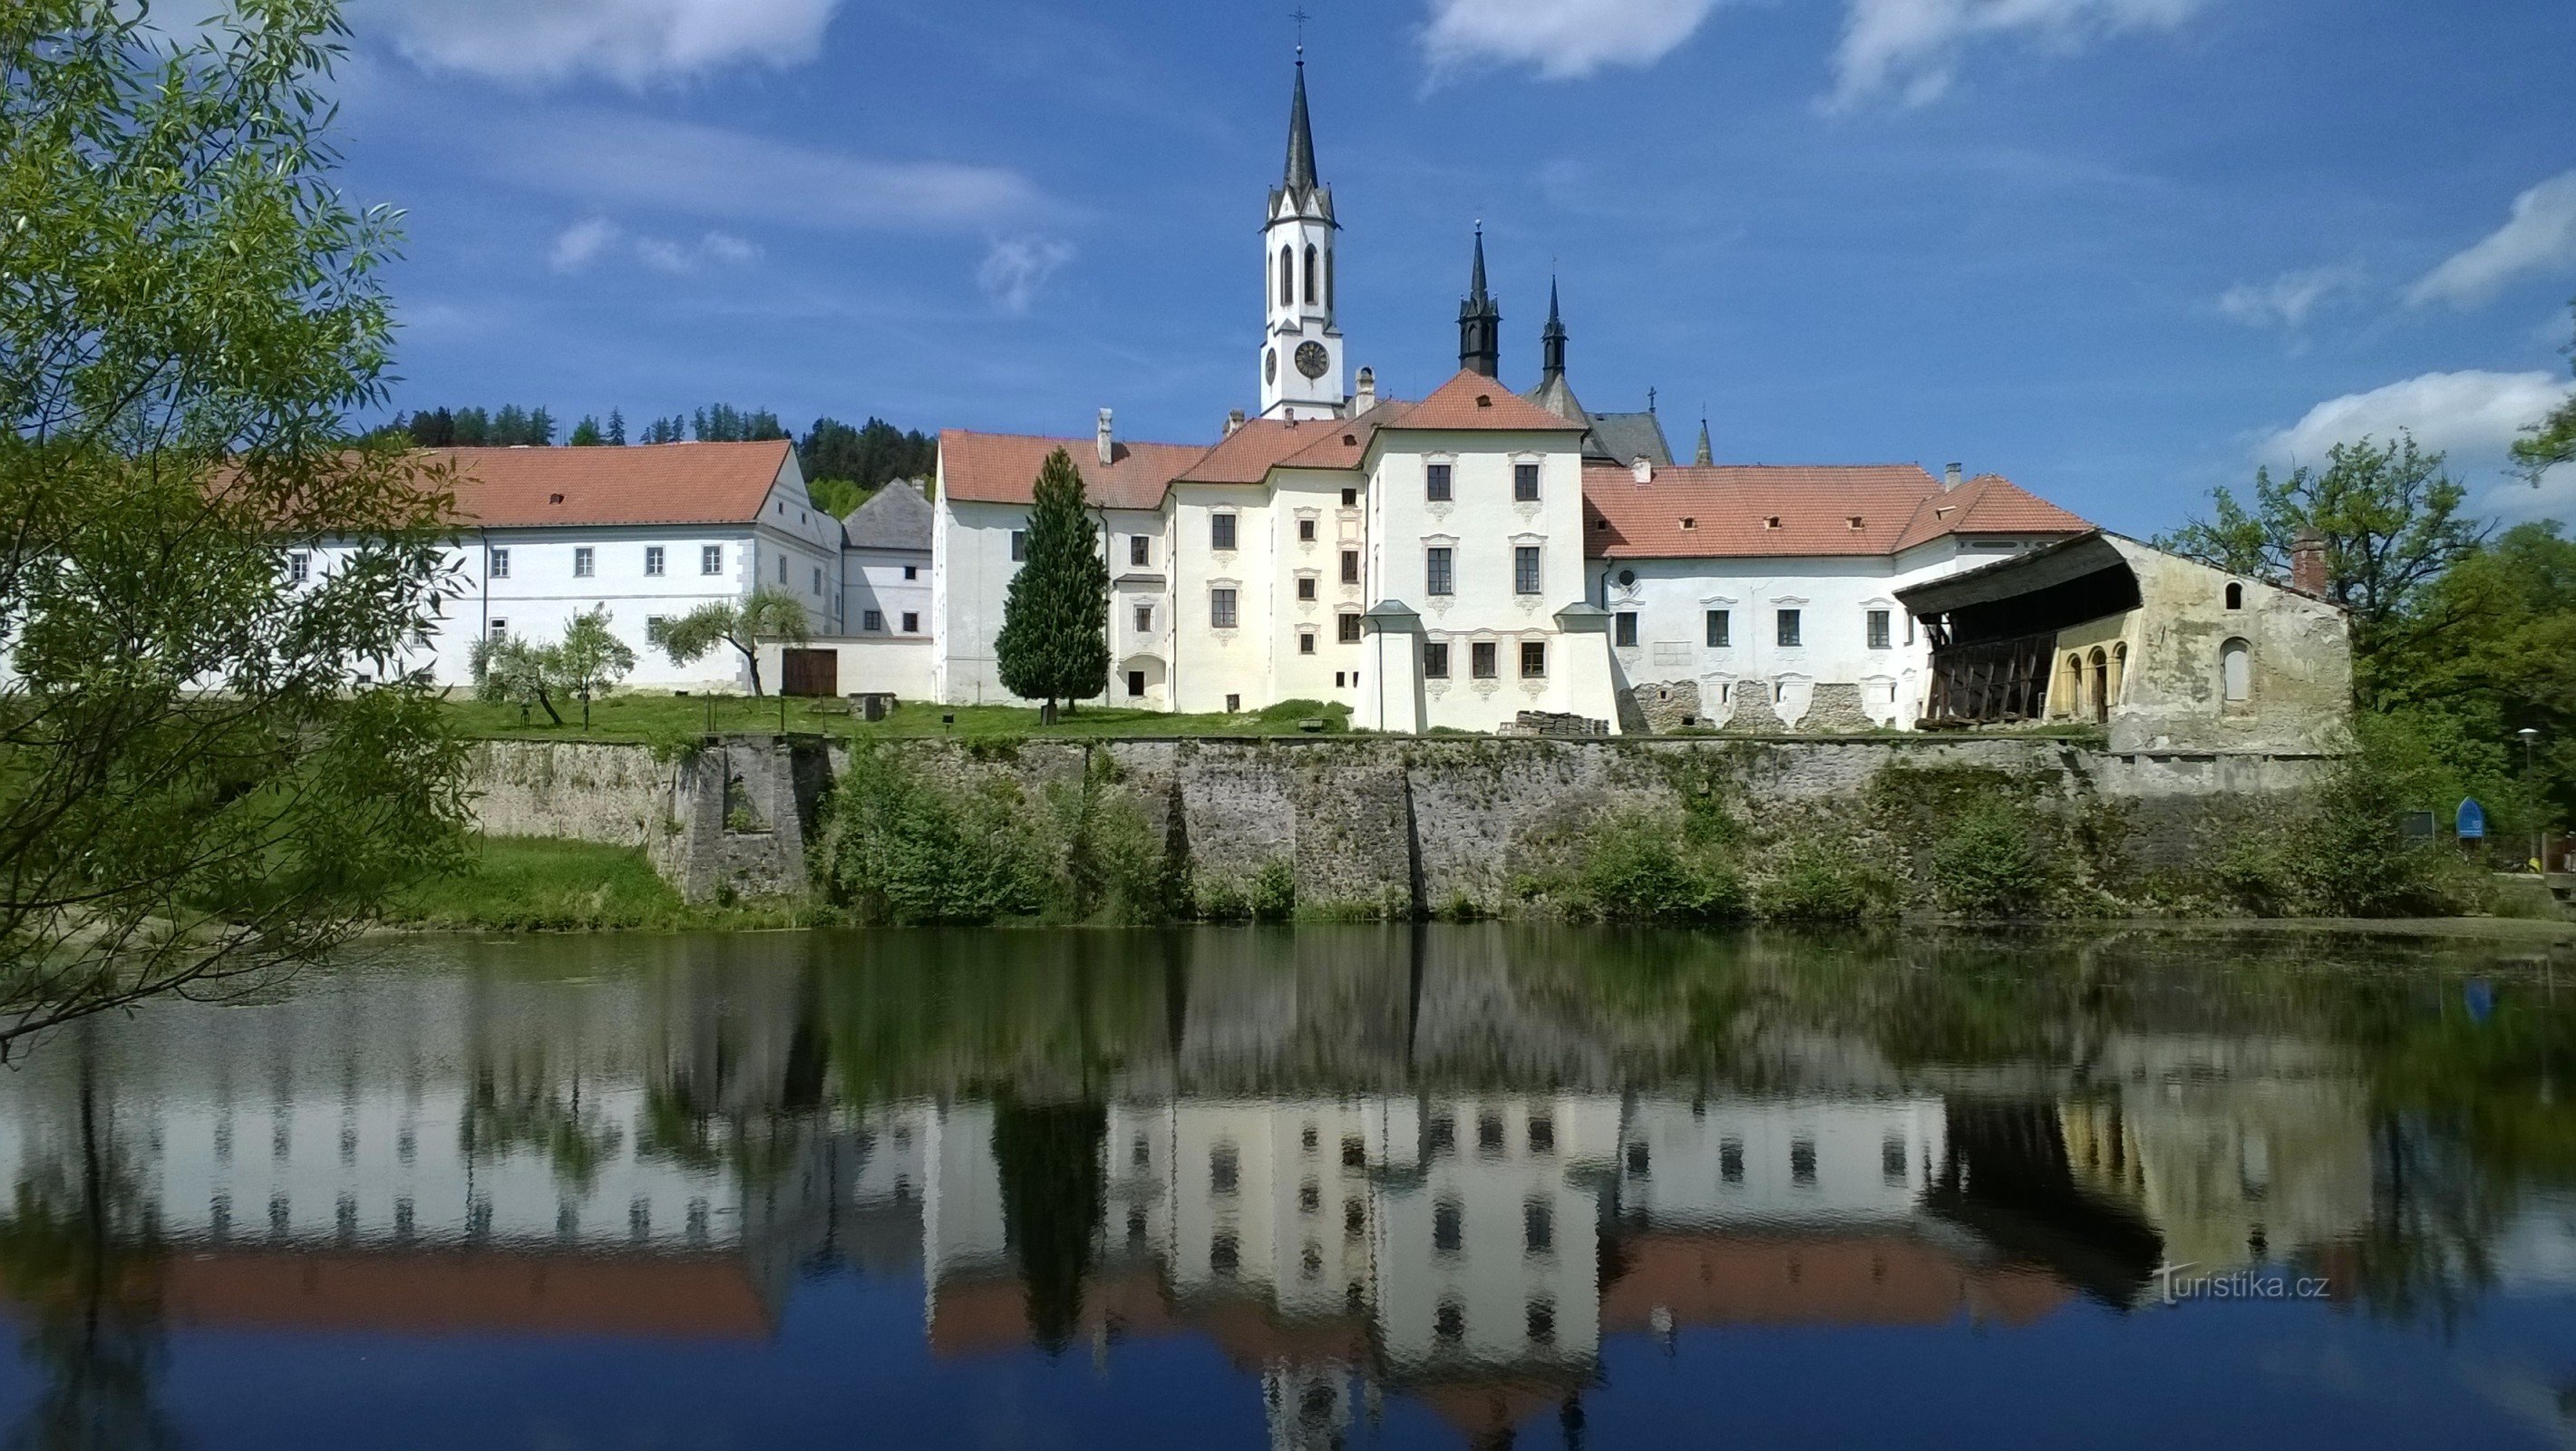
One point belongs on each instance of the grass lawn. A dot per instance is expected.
(524, 884)
(652, 717)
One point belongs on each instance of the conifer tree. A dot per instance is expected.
(616, 428)
(586, 434)
(1054, 643)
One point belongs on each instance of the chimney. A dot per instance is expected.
(1950, 477)
(1366, 398)
(1233, 421)
(1642, 468)
(1108, 441)
(2308, 563)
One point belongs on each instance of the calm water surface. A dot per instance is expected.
(1332, 1187)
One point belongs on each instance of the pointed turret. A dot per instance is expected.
(1703, 456)
(1301, 140)
(1480, 320)
(1551, 340)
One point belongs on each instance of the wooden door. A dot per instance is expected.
(809, 672)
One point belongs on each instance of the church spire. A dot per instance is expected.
(1551, 340)
(1301, 137)
(1703, 457)
(1480, 320)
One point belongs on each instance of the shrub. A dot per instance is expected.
(898, 849)
(1274, 891)
(1638, 871)
(1820, 877)
(1988, 864)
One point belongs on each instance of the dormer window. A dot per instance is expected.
(1771, 522)
(1484, 400)
(1689, 523)
(1855, 521)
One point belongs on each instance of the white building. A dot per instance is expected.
(645, 533)
(1462, 560)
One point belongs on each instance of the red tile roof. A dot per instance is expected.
(1472, 400)
(1797, 510)
(1002, 468)
(435, 1291)
(1344, 444)
(662, 483)
(1246, 455)
(1990, 504)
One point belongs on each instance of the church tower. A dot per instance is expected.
(1301, 347)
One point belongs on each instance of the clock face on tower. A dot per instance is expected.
(1312, 360)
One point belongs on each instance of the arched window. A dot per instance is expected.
(1310, 274)
(2236, 672)
(2071, 683)
(2100, 700)
(1328, 282)
(2119, 671)
(1287, 277)
(2236, 596)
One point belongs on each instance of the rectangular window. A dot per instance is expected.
(1144, 619)
(1305, 531)
(1480, 660)
(818, 579)
(1533, 660)
(1019, 545)
(711, 559)
(1788, 636)
(871, 621)
(1623, 627)
(1878, 629)
(912, 571)
(1220, 531)
(582, 558)
(1350, 498)
(1350, 628)
(1525, 483)
(782, 569)
(1233, 703)
(1305, 642)
(653, 561)
(1437, 576)
(911, 624)
(1525, 569)
(1720, 632)
(1140, 550)
(1350, 566)
(500, 564)
(1305, 586)
(1135, 683)
(299, 566)
(1221, 608)
(500, 627)
(1436, 483)
(654, 625)
(1435, 660)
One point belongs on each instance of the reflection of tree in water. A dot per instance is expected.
(2006, 1175)
(95, 1309)
(531, 1113)
(1052, 1193)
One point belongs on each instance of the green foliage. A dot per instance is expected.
(537, 884)
(1819, 876)
(591, 659)
(1645, 869)
(724, 423)
(900, 849)
(1103, 862)
(770, 613)
(866, 457)
(2551, 442)
(1054, 641)
(192, 784)
(836, 497)
(587, 434)
(1989, 863)
(1274, 891)
(506, 427)
(510, 671)
(584, 665)
(2345, 855)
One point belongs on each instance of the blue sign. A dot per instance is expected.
(2473, 820)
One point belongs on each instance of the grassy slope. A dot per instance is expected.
(533, 884)
(642, 717)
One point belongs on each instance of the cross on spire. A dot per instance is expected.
(1299, 15)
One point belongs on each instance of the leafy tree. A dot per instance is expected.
(586, 434)
(1054, 642)
(511, 671)
(617, 428)
(2552, 441)
(2389, 517)
(769, 614)
(193, 787)
(591, 659)
(867, 456)
(836, 497)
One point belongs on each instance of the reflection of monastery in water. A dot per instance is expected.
(665, 1155)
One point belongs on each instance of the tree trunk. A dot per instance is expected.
(1046, 713)
(551, 713)
(751, 657)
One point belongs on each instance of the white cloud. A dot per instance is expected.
(628, 162)
(629, 41)
(585, 242)
(2471, 415)
(1911, 48)
(1563, 39)
(580, 244)
(1014, 268)
(2539, 237)
(2287, 300)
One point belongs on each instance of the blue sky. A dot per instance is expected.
(2120, 250)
